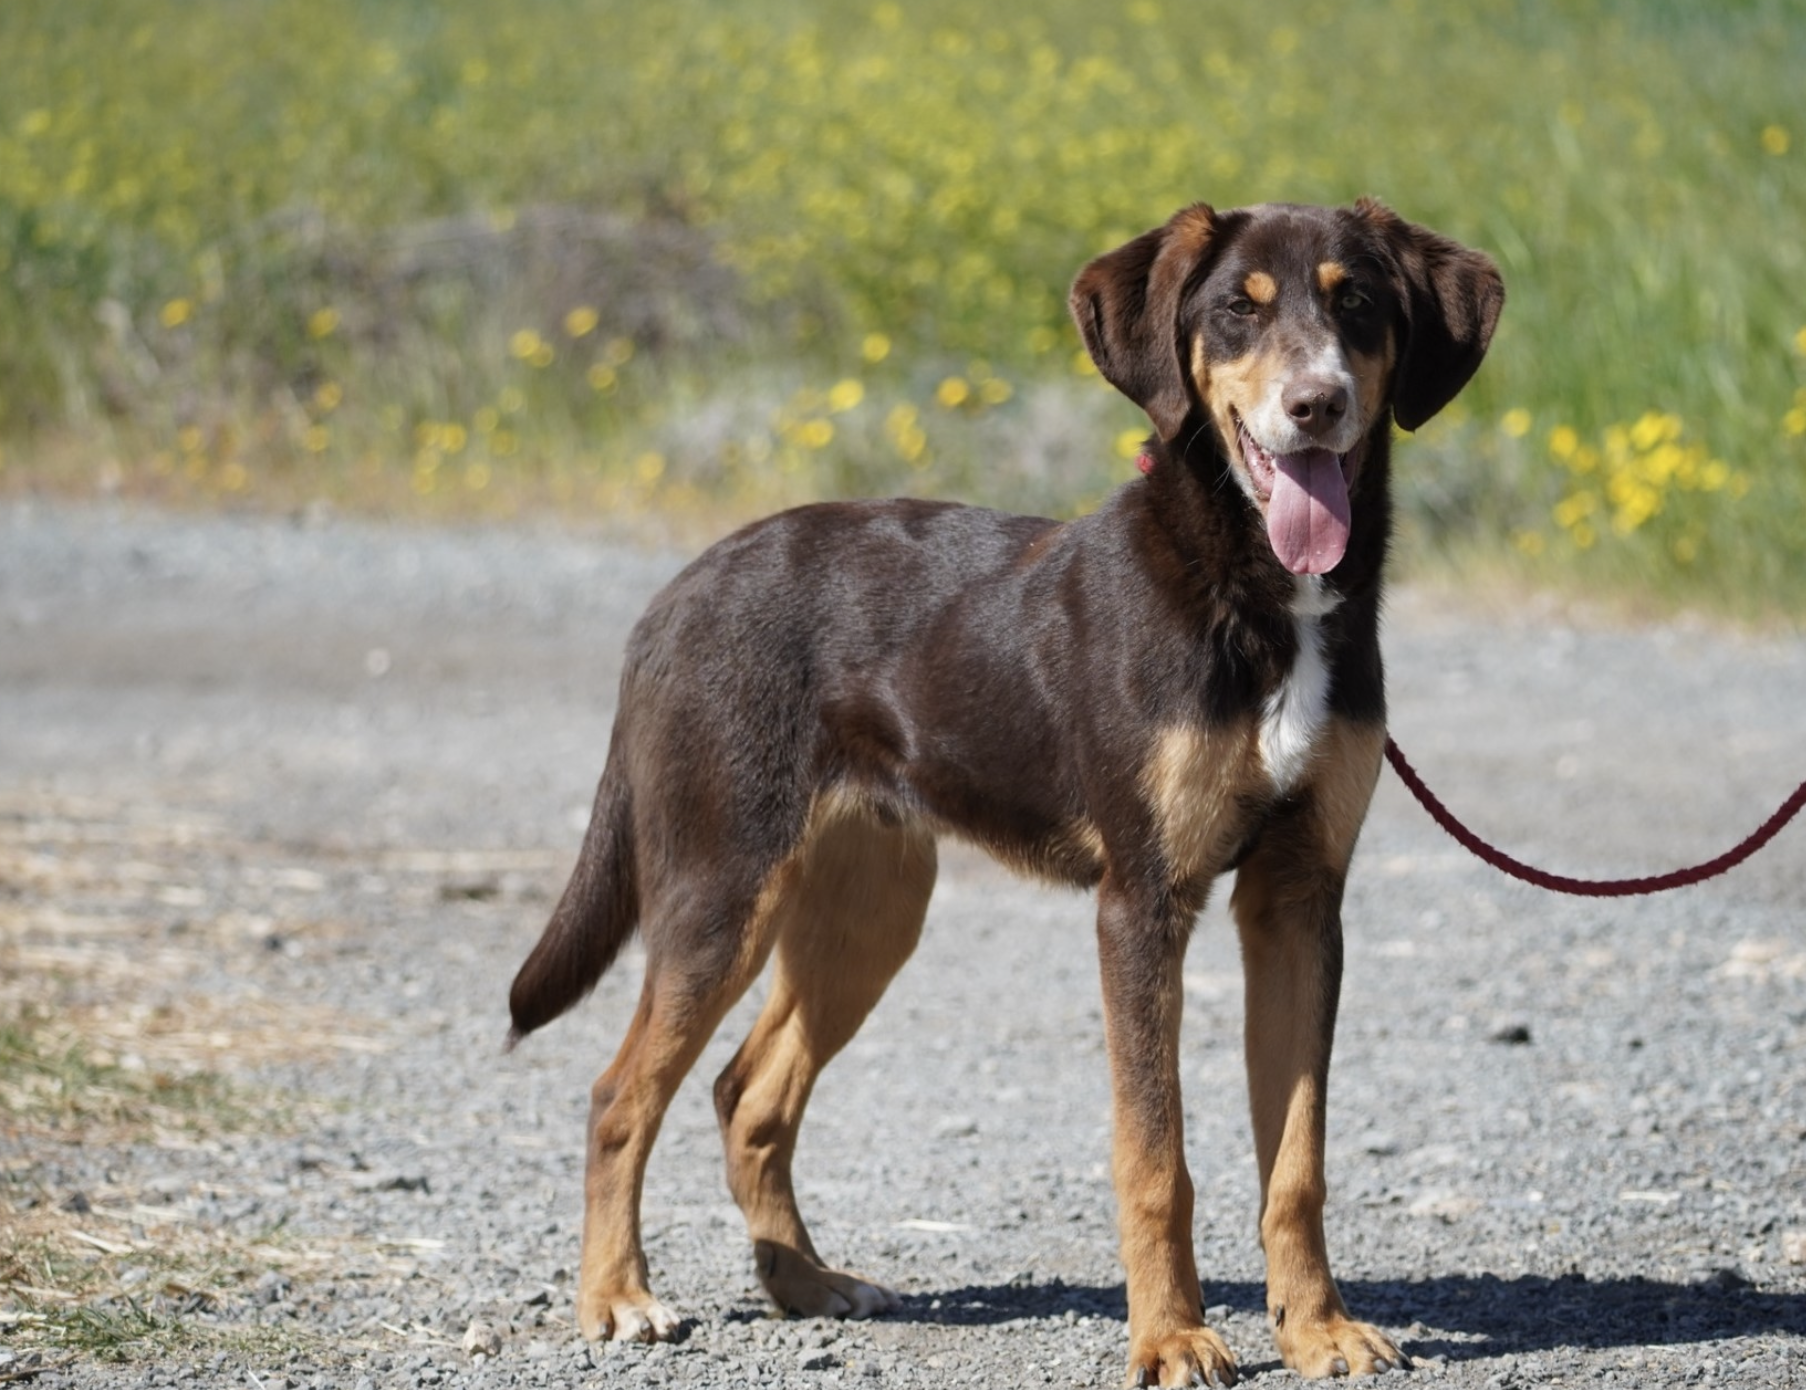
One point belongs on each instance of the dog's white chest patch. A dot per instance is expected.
(1295, 713)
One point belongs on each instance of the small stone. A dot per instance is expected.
(1793, 1247)
(815, 1359)
(481, 1339)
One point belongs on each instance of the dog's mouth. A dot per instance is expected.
(1305, 498)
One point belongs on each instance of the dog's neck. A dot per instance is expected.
(1305, 647)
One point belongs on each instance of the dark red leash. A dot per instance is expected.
(1585, 887)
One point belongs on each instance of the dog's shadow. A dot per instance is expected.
(1475, 1317)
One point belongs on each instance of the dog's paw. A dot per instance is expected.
(1194, 1356)
(799, 1285)
(1338, 1346)
(625, 1317)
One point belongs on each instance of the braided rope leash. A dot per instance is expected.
(1586, 887)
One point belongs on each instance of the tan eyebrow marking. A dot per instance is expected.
(1330, 274)
(1261, 287)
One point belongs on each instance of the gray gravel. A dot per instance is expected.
(1568, 1138)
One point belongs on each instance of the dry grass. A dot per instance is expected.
(116, 1038)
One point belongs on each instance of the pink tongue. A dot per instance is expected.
(1307, 516)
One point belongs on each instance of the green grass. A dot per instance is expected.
(54, 1080)
(607, 256)
(63, 1288)
(125, 1332)
(128, 1332)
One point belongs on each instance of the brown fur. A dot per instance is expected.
(1141, 700)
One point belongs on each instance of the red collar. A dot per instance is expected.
(1145, 461)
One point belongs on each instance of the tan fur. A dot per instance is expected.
(1343, 775)
(627, 1104)
(1194, 781)
(847, 874)
(1330, 274)
(1373, 377)
(1287, 900)
(1261, 287)
(1154, 1189)
(1229, 388)
(846, 919)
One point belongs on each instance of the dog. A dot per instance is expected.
(1183, 684)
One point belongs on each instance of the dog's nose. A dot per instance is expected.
(1315, 404)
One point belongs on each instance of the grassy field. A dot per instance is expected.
(707, 258)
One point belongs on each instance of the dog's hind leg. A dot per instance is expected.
(850, 915)
(703, 952)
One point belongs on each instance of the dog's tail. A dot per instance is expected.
(595, 918)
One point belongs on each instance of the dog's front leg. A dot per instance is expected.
(1141, 945)
(1287, 905)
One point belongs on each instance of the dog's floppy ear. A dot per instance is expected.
(1451, 298)
(1126, 304)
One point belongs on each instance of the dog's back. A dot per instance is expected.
(767, 672)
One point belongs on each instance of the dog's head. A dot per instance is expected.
(1294, 333)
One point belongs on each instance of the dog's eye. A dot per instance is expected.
(1242, 308)
(1352, 301)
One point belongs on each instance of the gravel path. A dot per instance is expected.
(292, 798)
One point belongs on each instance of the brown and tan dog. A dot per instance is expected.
(1183, 684)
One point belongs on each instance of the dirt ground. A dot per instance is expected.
(284, 801)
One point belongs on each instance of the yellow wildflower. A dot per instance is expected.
(1574, 509)
(815, 434)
